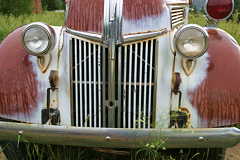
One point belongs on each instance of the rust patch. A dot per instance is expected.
(18, 85)
(86, 15)
(217, 99)
(138, 9)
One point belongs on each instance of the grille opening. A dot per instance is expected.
(177, 16)
(135, 74)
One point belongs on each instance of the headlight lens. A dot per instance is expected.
(37, 39)
(191, 41)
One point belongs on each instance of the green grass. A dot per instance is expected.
(9, 23)
(231, 26)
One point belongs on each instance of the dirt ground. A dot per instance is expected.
(2, 156)
(233, 153)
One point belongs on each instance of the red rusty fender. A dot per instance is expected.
(120, 138)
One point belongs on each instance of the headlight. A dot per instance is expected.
(191, 41)
(38, 38)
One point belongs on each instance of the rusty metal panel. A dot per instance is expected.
(86, 15)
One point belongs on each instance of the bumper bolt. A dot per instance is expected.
(108, 138)
(201, 139)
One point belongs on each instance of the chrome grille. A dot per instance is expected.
(135, 84)
(177, 16)
(136, 91)
(87, 83)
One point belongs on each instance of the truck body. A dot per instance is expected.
(121, 74)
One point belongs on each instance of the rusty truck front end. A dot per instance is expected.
(121, 74)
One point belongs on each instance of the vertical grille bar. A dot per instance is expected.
(104, 85)
(130, 88)
(85, 83)
(99, 88)
(135, 85)
(77, 62)
(80, 83)
(94, 86)
(140, 87)
(90, 84)
(119, 86)
(125, 87)
(145, 86)
(150, 85)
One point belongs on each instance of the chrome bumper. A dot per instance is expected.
(119, 138)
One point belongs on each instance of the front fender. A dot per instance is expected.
(18, 85)
(217, 99)
(22, 84)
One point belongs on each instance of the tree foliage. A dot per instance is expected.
(237, 5)
(53, 4)
(16, 7)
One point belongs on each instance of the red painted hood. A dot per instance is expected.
(88, 15)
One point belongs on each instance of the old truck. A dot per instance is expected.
(122, 74)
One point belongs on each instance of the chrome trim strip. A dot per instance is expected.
(119, 19)
(90, 36)
(120, 138)
(106, 20)
(125, 39)
(142, 36)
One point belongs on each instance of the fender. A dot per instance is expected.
(18, 85)
(217, 98)
(23, 87)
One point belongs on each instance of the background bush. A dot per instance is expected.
(16, 7)
(237, 5)
(53, 4)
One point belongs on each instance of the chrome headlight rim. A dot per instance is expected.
(50, 34)
(187, 27)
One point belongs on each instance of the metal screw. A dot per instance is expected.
(108, 138)
(201, 138)
(20, 132)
